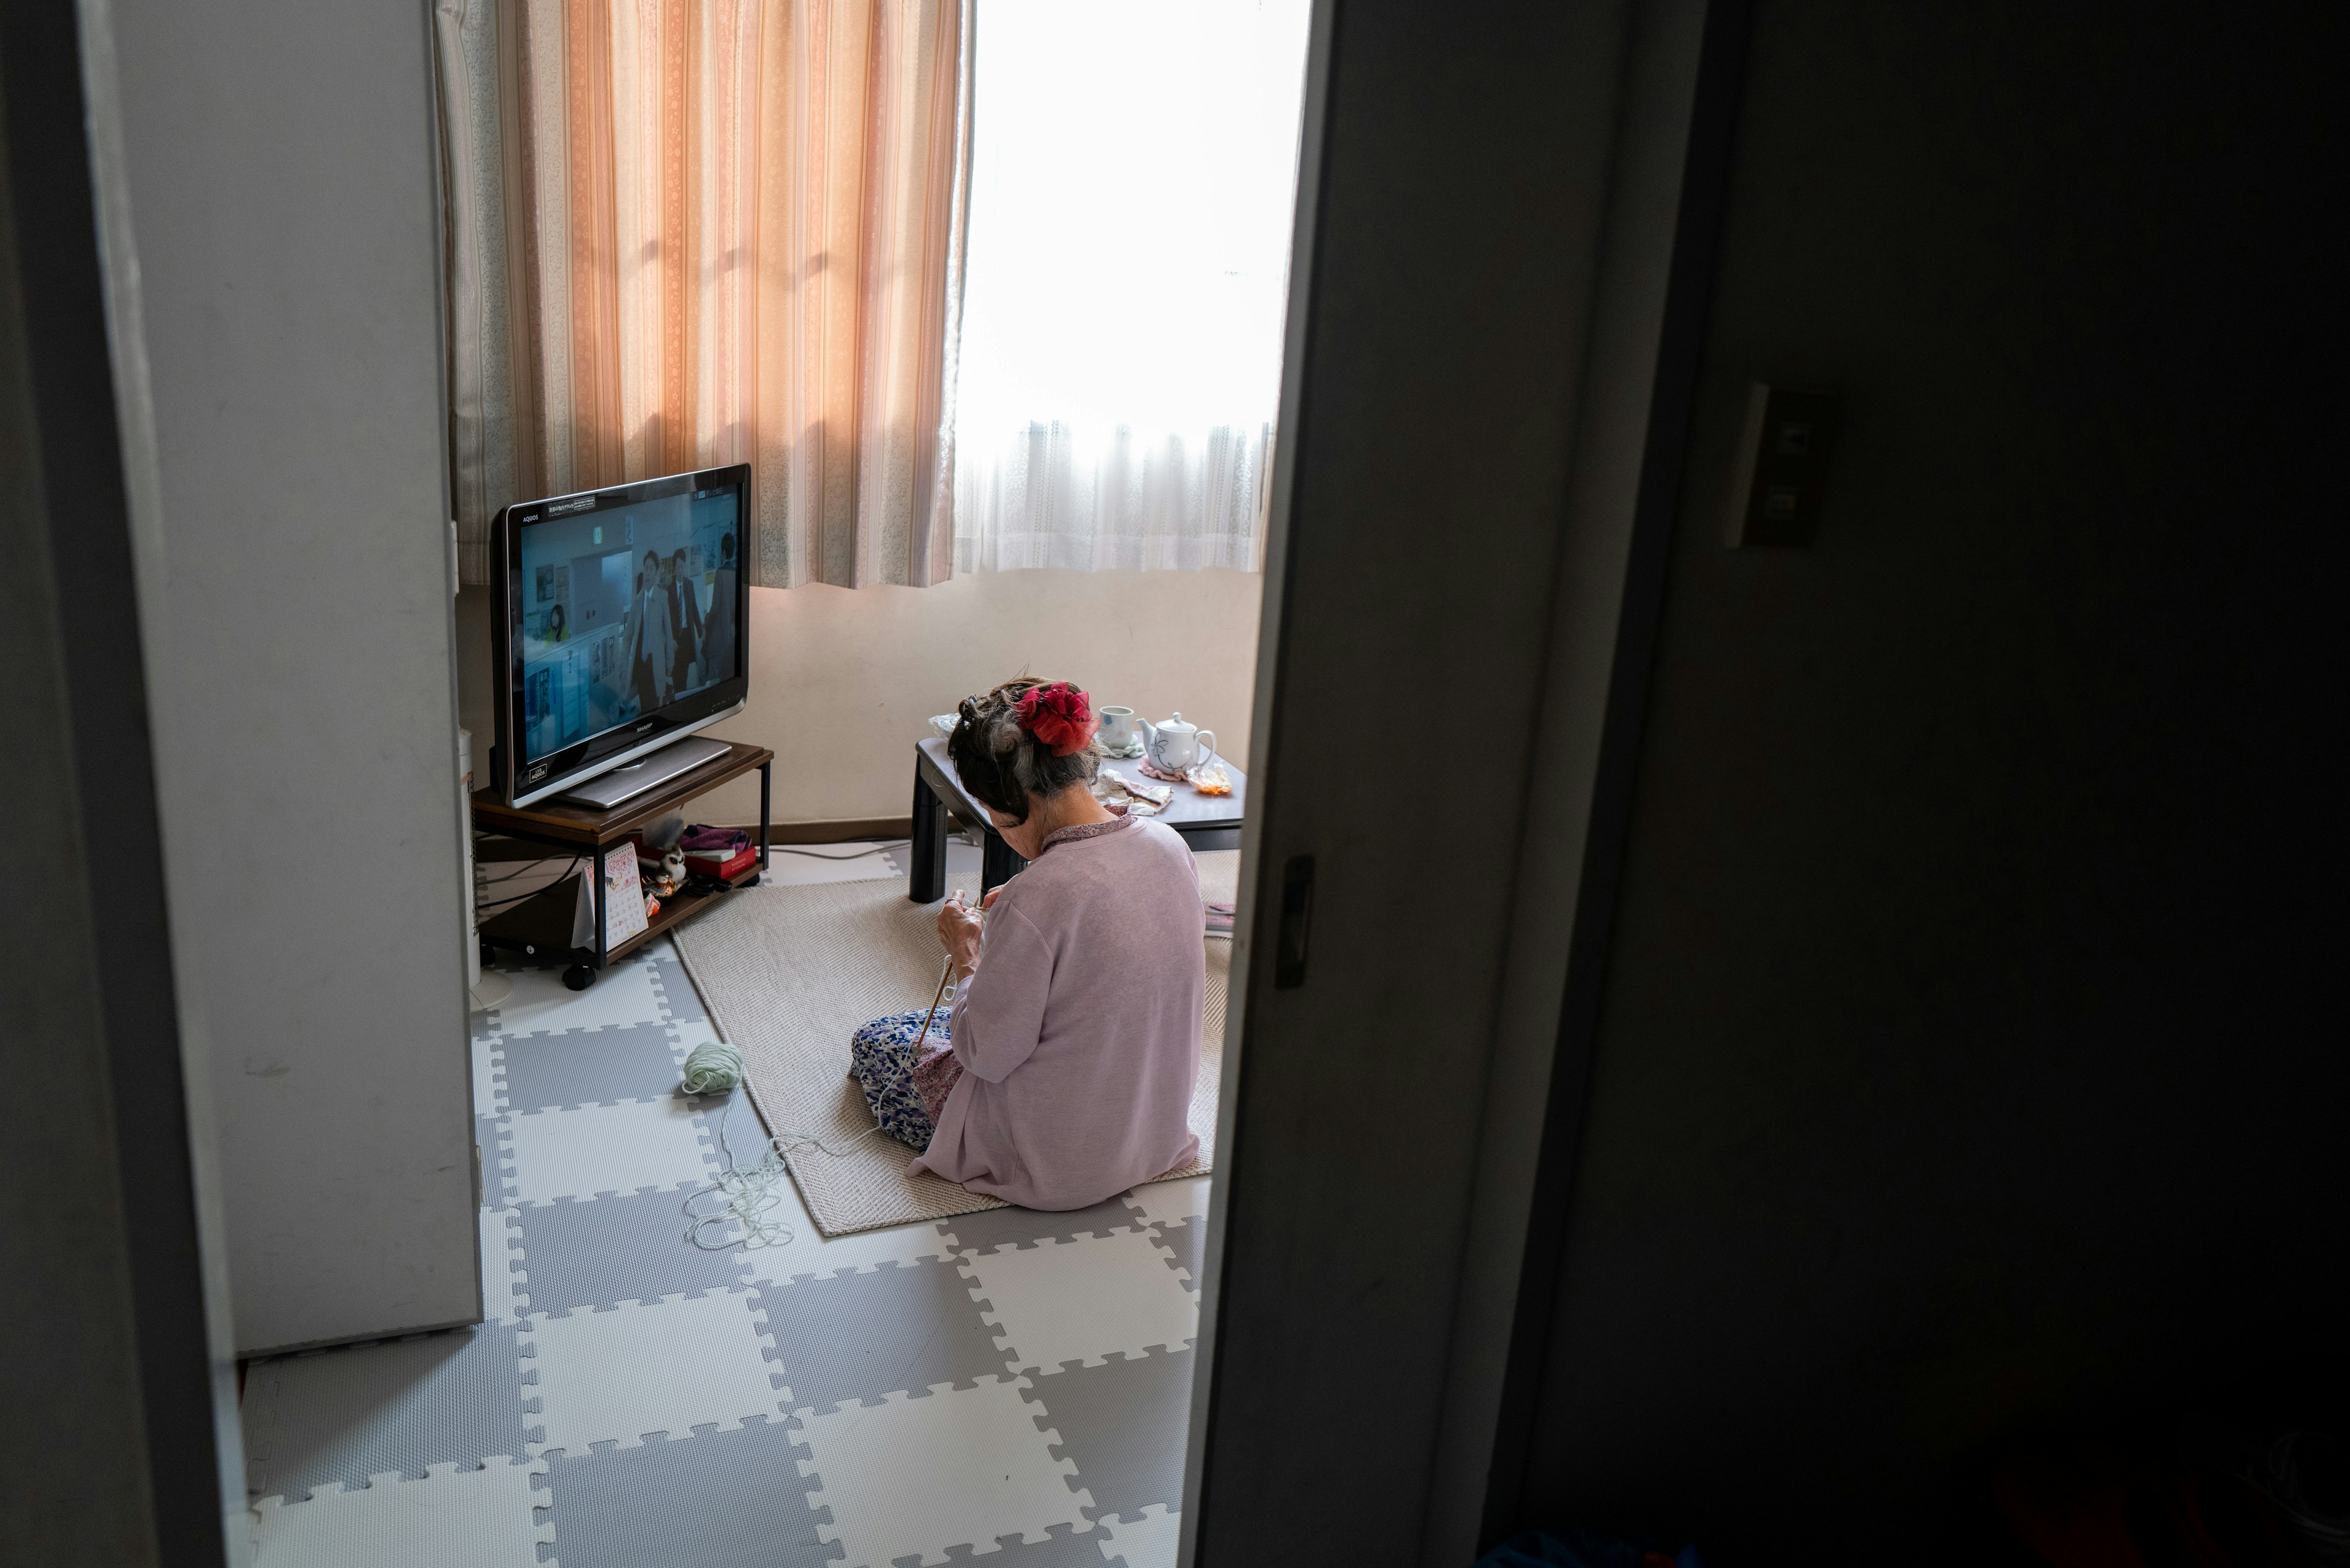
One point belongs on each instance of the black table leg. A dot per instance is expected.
(927, 882)
(998, 862)
(765, 770)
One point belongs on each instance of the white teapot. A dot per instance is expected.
(1174, 747)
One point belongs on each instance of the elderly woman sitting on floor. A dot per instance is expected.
(1062, 1075)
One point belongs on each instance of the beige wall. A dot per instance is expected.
(842, 679)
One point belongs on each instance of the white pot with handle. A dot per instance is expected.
(1175, 747)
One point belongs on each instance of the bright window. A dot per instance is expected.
(1132, 191)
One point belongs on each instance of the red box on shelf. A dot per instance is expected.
(710, 866)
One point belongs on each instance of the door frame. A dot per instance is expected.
(1398, 1132)
(127, 1429)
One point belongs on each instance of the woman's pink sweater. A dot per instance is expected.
(1080, 1031)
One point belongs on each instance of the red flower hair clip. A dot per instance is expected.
(1058, 714)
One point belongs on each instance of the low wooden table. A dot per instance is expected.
(539, 927)
(1205, 821)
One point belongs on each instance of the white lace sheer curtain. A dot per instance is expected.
(1134, 167)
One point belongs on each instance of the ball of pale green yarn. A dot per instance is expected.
(712, 1069)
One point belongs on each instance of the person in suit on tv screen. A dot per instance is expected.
(685, 615)
(652, 638)
(718, 627)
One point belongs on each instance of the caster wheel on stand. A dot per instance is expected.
(578, 977)
(750, 882)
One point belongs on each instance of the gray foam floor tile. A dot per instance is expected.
(715, 1499)
(900, 1329)
(587, 1067)
(629, 1247)
(1122, 1424)
(1188, 1242)
(992, 1228)
(746, 1136)
(680, 1001)
(400, 1404)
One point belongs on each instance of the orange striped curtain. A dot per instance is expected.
(687, 233)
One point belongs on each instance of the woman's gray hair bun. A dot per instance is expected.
(1001, 762)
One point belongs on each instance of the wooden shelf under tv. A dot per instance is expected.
(543, 921)
(539, 928)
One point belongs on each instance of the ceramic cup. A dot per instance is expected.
(1118, 731)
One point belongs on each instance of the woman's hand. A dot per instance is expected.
(959, 928)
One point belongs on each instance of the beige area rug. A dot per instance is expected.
(789, 972)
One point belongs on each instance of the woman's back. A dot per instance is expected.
(1079, 1034)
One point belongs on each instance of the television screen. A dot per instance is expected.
(623, 623)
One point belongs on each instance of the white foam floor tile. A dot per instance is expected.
(1172, 1203)
(1151, 1543)
(668, 1365)
(957, 1467)
(500, 1283)
(964, 864)
(451, 1518)
(618, 1148)
(621, 995)
(1079, 1301)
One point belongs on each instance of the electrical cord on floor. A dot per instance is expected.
(858, 855)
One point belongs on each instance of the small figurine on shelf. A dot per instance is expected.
(664, 876)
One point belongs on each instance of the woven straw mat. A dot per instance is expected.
(789, 972)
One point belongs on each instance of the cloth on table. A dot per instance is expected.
(905, 1088)
(1208, 778)
(1127, 798)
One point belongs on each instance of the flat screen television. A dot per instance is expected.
(622, 625)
